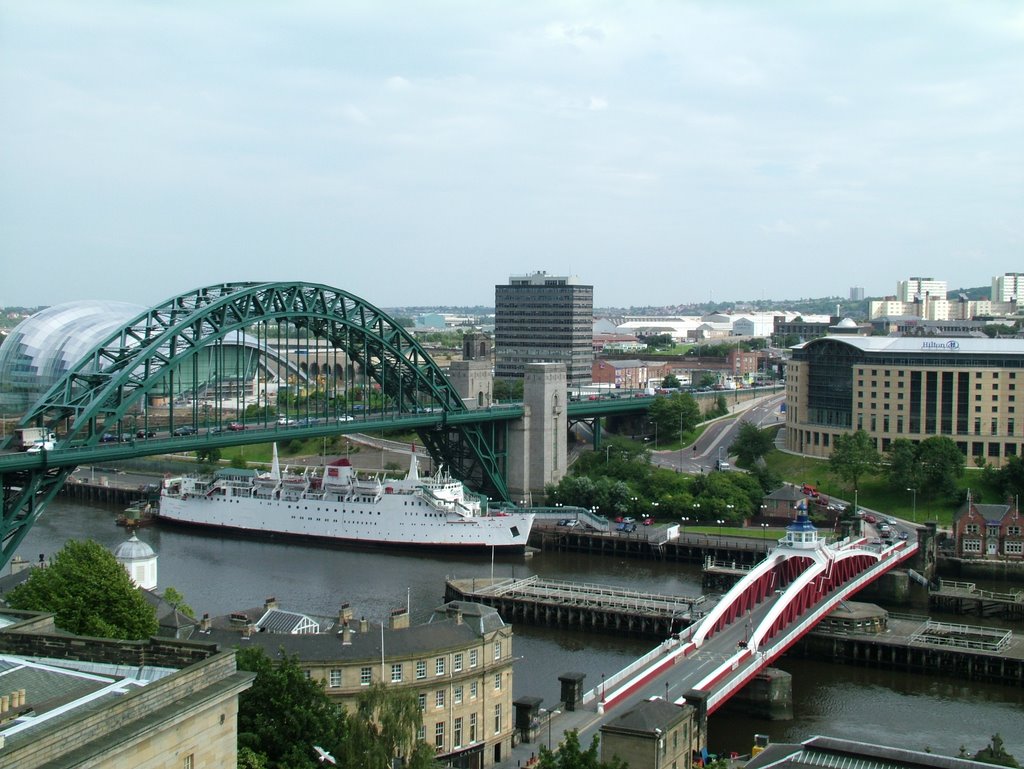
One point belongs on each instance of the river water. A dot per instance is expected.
(219, 574)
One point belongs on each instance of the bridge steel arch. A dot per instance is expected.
(97, 392)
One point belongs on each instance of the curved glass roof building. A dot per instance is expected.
(44, 347)
(41, 349)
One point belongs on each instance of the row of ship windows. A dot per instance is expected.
(344, 511)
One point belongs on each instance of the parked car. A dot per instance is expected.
(569, 523)
(627, 519)
(648, 521)
(626, 527)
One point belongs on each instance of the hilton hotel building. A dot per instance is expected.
(907, 387)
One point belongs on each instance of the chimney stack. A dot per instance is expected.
(204, 623)
(364, 625)
(399, 619)
(270, 603)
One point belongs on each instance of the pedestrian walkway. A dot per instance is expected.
(525, 754)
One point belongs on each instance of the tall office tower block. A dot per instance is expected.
(1008, 287)
(541, 318)
(920, 289)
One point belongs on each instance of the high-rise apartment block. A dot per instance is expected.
(917, 289)
(1007, 288)
(541, 318)
(856, 293)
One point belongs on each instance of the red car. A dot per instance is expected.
(236, 426)
(870, 518)
(648, 521)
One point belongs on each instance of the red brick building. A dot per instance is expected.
(988, 531)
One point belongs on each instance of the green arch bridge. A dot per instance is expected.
(186, 374)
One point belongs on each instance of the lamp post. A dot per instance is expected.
(764, 532)
(633, 501)
(913, 504)
(720, 521)
(606, 450)
(855, 508)
(551, 714)
(682, 522)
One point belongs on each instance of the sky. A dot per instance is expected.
(419, 153)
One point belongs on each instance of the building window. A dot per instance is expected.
(335, 681)
(1013, 548)
(396, 672)
(497, 718)
(497, 650)
(422, 697)
(457, 695)
(190, 761)
(439, 666)
(457, 733)
(439, 734)
(421, 734)
(439, 698)
(472, 690)
(972, 545)
(971, 528)
(1013, 531)
(472, 658)
(421, 669)
(472, 728)
(457, 663)
(365, 676)
(497, 682)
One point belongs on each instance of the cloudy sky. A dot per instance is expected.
(418, 153)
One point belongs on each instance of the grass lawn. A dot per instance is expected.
(875, 492)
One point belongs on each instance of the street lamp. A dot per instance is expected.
(764, 532)
(633, 500)
(914, 504)
(683, 521)
(720, 522)
(551, 714)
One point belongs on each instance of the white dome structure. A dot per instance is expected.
(139, 560)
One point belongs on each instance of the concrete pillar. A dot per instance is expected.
(473, 381)
(537, 452)
(768, 695)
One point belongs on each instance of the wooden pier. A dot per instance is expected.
(653, 544)
(965, 598)
(579, 606)
(916, 645)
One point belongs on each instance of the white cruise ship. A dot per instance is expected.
(332, 503)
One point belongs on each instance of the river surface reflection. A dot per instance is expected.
(220, 574)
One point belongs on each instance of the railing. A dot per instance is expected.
(962, 636)
(1015, 596)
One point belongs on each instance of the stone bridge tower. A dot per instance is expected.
(537, 446)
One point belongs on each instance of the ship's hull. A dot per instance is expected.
(394, 522)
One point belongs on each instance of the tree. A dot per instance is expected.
(284, 713)
(903, 470)
(208, 456)
(571, 756)
(670, 380)
(177, 602)
(853, 456)
(675, 415)
(507, 389)
(941, 465)
(89, 593)
(1010, 477)
(751, 443)
(384, 726)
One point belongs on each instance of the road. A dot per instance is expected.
(714, 443)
